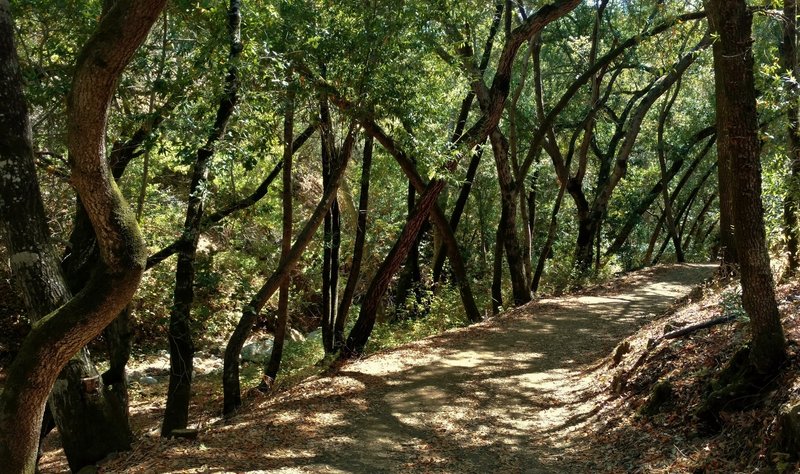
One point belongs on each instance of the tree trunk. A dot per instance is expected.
(410, 276)
(584, 244)
(508, 219)
(737, 121)
(662, 164)
(59, 335)
(359, 335)
(274, 364)
(466, 104)
(458, 209)
(437, 217)
(548, 245)
(497, 271)
(329, 290)
(358, 246)
(230, 375)
(181, 345)
(788, 56)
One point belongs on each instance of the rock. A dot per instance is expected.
(184, 433)
(788, 439)
(147, 380)
(92, 469)
(315, 334)
(295, 335)
(660, 396)
(622, 349)
(257, 351)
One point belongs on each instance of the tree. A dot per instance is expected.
(739, 149)
(181, 345)
(54, 339)
(789, 62)
(272, 367)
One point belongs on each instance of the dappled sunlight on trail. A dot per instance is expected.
(513, 394)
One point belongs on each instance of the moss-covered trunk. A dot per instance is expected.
(54, 339)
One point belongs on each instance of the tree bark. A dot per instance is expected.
(181, 345)
(358, 246)
(410, 276)
(497, 271)
(548, 245)
(59, 335)
(789, 62)
(91, 424)
(359, 335)
(274, 364)
(508, 219)
(230, 374)
(739, 149)
(330, 251)
(662, 164)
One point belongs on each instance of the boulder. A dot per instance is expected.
(295, 336)
(788, 439)
(257, 351)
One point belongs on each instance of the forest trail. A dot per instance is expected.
(514, 394)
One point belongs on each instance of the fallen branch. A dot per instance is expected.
(696, 327)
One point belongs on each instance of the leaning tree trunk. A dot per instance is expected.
(694, 231)
(634, 216)
(684, 208)
(461, 122)
(458, 209)
(181, 345)
(410, 276)
(359, 335)
(737, 120)
(230, 375)
(551, 238)
(62, 333)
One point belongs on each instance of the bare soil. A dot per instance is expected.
(519, 393)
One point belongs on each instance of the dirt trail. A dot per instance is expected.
(509, 395)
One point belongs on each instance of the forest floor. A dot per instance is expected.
(538, 389)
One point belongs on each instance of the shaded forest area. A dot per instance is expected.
(291, 185)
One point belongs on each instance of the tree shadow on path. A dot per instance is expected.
(509, 395)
